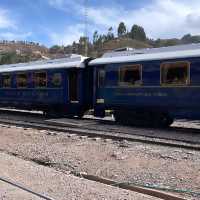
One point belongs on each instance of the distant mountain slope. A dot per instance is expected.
(124, 42)
(23, 51)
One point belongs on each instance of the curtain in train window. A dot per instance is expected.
(40, 79)
(176, 73)
(6, 80)
(130, 75)
(22, 80)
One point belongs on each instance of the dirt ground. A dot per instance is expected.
(54, 184)
(138, 163)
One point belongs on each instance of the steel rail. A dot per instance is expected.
(14, 184)
(103, 134)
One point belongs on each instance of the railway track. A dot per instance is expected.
(23, 188)
(159, 193)
(173, 137)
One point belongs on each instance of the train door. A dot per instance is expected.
(99, 110)
(73, 86)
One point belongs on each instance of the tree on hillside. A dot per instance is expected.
(12, 57)
(95, 37)
(110, 35)
(83, 45)
(188, 38)
(54, 49)
(121, 29)
(138, 33)
(83, 40)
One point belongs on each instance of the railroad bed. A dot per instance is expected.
(175, 170)
(183, 134)
(27, 180)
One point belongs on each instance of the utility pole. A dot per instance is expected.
(86, 26)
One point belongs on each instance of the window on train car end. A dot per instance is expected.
(56, 79)
(6, 80)
(22, 80)
(101, 78)
(176, 73)
(40, 79)
(130, 75)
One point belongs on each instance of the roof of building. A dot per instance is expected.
(73, 61)
(136, 55)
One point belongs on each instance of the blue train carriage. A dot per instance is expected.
(149, 86)
(59, 86)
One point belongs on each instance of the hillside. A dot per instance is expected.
(23, 51)
(22, 47)
(124, 42)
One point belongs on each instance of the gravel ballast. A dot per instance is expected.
(123, 161)
(54, 184)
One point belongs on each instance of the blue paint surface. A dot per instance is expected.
(47, 97)
(179, 101)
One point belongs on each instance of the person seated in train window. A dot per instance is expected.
(176, 76)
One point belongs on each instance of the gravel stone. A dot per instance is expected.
(139, 163)
(54, 184)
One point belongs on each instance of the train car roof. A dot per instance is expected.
(73, 61)
(149, 54)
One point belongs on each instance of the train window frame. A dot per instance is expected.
(188, 78)
(128, 84)
(27, 81)
(101, 82)
(34, 81)
(2, 84)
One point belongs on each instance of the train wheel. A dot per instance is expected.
(127, 118)
(163, 120)
(118, 117)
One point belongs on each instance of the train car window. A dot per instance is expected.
(22, 80)
(6, 80)
(176, 73)
(130, 75)
(56, 79)
(40, 79)
(101, 78)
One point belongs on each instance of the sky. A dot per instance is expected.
(61, 22)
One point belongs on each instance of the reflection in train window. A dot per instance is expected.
(6, 80)
(22, 80)
(40, 79)
(56, 79)
(175, 73)
(130, 75)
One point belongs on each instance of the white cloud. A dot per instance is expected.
(9, 29)
(56, 3)
(67, 36)
(67, 5)
(14, 36)
(169, 18)
(160, 18)
(5, 20)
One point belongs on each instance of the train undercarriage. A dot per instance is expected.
(140, 118)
